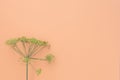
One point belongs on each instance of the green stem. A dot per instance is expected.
(18, 51)
(26, 70)
(23, 43)
(30, 48)
(33, 50)
(37, 51)
(38, 59)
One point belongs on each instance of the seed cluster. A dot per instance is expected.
(26, 40)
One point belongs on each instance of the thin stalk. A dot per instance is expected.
(26, 70)
(37, 51)
(18, 51)
(23, 43)
(30, 47)
(34, 50)
(38, 59)
(32, 67)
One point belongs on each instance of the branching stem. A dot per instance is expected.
(37, 51)
(18, 50)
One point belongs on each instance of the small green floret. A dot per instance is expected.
(33, 40)
(23, 39)
(12, 41)
(38, 71)
(49, 57)
(42, 43)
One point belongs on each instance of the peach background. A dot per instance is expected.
(84, 35)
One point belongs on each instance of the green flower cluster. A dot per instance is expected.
(49, 58)
(12, 41)
(26, 40)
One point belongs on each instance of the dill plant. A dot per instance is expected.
(27, 48)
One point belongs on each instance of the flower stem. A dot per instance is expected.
(26, 70)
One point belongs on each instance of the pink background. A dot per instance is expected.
(84, 35)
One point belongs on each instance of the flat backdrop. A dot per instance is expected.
(84, 37)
